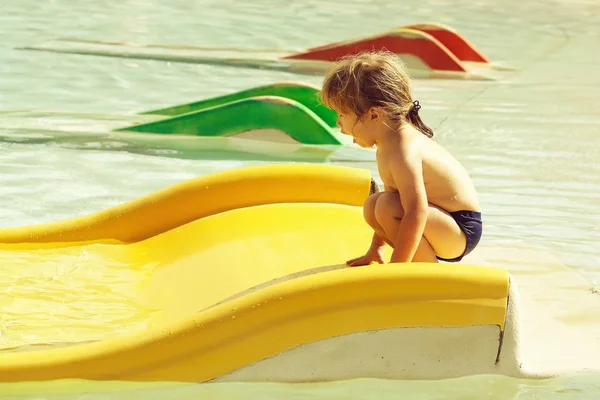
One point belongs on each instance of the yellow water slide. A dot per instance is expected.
(239, 276)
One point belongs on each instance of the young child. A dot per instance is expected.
(429, 209)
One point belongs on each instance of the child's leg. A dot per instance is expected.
(369, 215)
(442, 235)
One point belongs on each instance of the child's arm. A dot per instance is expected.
(374, 254)
(407, 173)
(377, 242)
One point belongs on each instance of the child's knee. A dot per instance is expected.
(388, 206)
(369, 209)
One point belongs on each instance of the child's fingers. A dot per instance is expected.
(358, 261)
(349, 262)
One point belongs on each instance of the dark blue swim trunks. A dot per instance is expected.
(471, 224)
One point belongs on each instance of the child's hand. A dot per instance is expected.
(372, 255)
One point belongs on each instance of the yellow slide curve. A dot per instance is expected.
(238, 275)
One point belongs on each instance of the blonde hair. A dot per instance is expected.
(372, 79)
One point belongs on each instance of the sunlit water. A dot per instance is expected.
(531, 142)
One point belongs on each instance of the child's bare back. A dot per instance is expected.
(447, 183)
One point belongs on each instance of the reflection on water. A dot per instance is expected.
(529, 140)
(488, 387)
(50, 297)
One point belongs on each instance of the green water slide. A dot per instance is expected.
(248, 114)
(293, 108)
(305, 94)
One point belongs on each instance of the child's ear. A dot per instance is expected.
(374, 114)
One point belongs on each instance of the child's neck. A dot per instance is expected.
(389, 134)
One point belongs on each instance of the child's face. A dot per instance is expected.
(350, 124)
